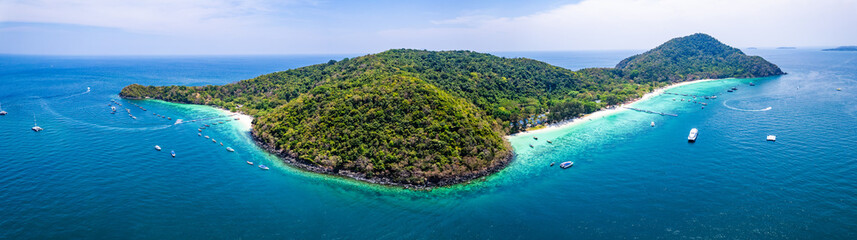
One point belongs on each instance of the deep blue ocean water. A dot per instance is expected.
(95, 175)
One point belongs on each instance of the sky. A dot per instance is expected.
(234, 27)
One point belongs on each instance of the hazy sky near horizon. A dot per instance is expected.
(190, 27)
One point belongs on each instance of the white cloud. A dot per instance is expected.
(302, 26)
(641, 24)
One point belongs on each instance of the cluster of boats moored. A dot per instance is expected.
(563, 165)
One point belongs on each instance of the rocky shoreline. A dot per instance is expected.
(380, 180)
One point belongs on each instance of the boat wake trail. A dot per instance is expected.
(76, 94)
(745, 110)
(51, 110)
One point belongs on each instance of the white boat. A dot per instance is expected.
(565, 165)
(230, 149)
(772, 138)
(212, 140)
(2, 112)
(263, 167)
(200, 134)
(173, 153)
(692, 136)
(653, 124)
(206, 136)
(36, 127)
(249, 162)
(157, 147)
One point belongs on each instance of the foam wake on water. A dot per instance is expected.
(745, 110)
(45, 106)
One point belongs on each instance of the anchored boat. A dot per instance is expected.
(157, 147)
(565, 165)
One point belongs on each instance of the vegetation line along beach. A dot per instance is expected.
(420, 118)
(608, 111)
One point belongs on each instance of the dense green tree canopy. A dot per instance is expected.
(424, 117)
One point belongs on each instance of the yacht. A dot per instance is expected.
(692, 136)
(565, 165)
(772, 138)
(230, 149)
(173, 153)
(157, 147)
(263, 167)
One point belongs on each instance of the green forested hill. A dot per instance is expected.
(698, 56)
(433, 118)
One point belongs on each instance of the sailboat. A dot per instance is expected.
(36, 127)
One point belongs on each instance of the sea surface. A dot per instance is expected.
(95, 175)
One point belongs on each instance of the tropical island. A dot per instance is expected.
(434, 118)
(842, 48)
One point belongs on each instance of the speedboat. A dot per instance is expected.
(535, 138)
(230, 149)
(565, 165)
(221, 143)
(263, 167)
(157, 147)
(653, 124)
(552, 164)
(206, 136)
(249, 162)
(200, 134)
(549, 141)
(173, 153)
(772, 138)
(531, 146)
(692, 136)
(212, 140)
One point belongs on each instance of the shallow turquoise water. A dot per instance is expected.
(91, 174)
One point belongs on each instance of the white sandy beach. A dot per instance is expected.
(245, 122)
(607, 112)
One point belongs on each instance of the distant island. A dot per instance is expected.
(420, 118)
(786, 48)
(842, 48)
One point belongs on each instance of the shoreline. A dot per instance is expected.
(607, 111)
(246, 125)
(383, 181)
